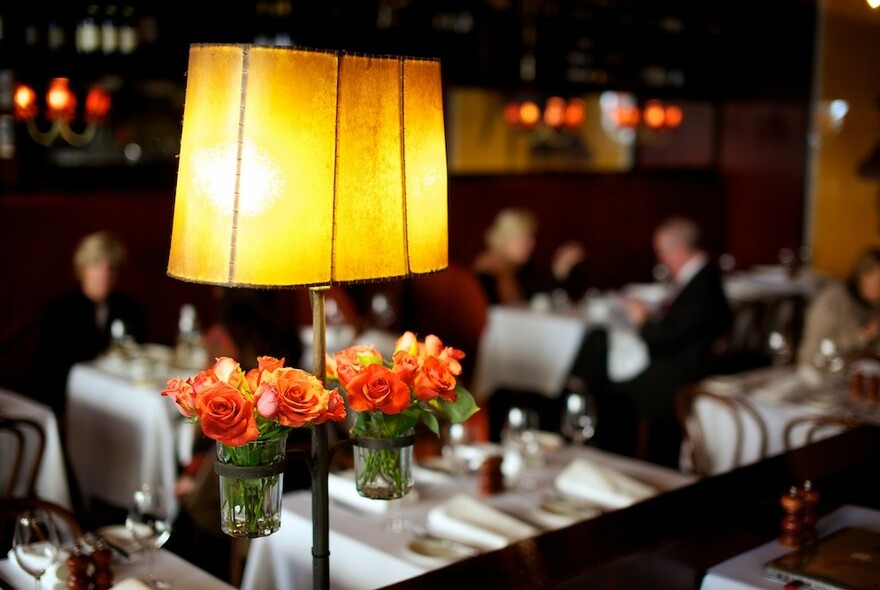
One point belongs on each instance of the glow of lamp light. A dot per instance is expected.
(554, 111)
(215, 176)
(575, 113)
(529, 113)
(60, 100)
(654, 115)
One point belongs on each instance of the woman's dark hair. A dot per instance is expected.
(867, 261)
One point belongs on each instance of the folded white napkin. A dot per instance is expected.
(609, 487)
(341, 488)
(469, 520)
(627, 354)
(130, 584)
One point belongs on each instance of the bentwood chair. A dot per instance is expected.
(23, 442)
(803, 430)
(744, 421)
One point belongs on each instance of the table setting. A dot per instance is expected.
(780, 395)
(119, 557)
(120, 430)
(448, 516)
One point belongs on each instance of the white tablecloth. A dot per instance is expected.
(182, 574)
(121, 434)
(778, 394)
(364, 554)
(746, 572)
(527, 350)
(52, 482)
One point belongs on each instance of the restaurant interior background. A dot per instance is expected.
(761, 158)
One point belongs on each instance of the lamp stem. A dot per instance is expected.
(320, 464)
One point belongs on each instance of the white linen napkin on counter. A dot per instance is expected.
(130, 584)
(472, 521)
(598, 483)
(341, 488)
(627, 354)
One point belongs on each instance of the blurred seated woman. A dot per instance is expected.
(843, 320)
(506, 268)
(76, 326)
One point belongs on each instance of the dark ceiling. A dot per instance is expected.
(689, 48)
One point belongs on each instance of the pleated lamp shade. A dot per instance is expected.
(309, 168)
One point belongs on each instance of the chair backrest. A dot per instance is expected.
(737, 415)
(803, 430)
(452, 305)
(67, 523)
(23, 442)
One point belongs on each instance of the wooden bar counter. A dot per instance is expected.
(669, 541)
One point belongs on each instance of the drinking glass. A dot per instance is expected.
(35, 543)
(578, 417)
(522, 449)
(149, 523)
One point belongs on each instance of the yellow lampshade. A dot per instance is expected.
(308, 168)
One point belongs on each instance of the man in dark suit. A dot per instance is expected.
(678, 335)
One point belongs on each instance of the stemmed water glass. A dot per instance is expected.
(149, 522)
(35, 543)
(578, 417)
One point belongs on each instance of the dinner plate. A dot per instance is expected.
(434, 552)
(120, 536)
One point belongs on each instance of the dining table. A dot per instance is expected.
(779, 395)
(52, 480)
(746, 570)
(127, 572)
(121, 432)
(375, 542)
(527, 349)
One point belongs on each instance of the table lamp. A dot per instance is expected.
(309, 168)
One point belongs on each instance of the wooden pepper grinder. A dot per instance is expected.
(792, 525)
(491, 476)
(811, 501)
(102, 575)
(78, 565)
(873, 389)
(856, 386)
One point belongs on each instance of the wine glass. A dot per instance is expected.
(149, 523)
(578, 417)
(35, 542)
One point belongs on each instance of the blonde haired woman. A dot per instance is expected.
(76, 326)
(505, 268)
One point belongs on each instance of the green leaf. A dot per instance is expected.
(461, 409)
(430, 420)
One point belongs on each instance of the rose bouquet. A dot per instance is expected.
(389, 397)
(249, 415)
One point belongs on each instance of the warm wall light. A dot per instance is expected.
(558, 114)
(873, 3)
(61, 111)
(623, 119)
(309, 168)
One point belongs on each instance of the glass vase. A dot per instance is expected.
(251, 478)
(383, 467)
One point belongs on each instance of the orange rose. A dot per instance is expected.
(335, 408)
(377, 388)
(435, 380)
(228, 371)
(226, 415)
(183, 395)
(302, 398)
(406, 365)
(350, 361)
